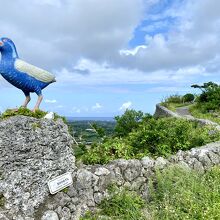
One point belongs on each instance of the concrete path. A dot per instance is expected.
(183, 110)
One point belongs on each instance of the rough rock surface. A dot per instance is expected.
(32, 151)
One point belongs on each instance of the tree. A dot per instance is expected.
(129, 121)
(210, 97)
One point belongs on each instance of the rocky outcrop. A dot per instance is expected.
(32, 151)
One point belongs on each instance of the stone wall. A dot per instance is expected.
(162, 111)
(32, 151)
(91, 183)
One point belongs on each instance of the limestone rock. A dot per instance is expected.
(50, 215)
(32, 151)
(102, 171)
(133, 170)
(160, 163)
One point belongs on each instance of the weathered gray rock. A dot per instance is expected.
(65, 214)
(160, 163)
(50, 215)
(147, 162)
(133, 170)
(102, 171)
(32, 151)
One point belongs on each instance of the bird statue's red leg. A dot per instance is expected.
(39, 100)
(27, 100)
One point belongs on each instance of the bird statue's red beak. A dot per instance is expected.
(1, 43)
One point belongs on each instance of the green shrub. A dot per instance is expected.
(111, 149)
(174, 99)
(188, 97)
(129, 121)
(166, 136)
(180, 194)
(152, 137)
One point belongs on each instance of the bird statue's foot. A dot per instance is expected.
(14, 109)
(35, 109)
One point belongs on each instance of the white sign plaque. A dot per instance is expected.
(60, 182)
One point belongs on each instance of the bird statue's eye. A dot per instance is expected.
(4, 40)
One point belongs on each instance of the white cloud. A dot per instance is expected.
(50, 101)
(133, 51)
(86, 42)
(59, 32)
(125, 106)
(194, 40)
(96, 106)
(102, 74)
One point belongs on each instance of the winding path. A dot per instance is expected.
(183, 111)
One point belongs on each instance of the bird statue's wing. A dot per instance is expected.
(31, 70)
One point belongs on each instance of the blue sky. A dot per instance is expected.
(111, 55)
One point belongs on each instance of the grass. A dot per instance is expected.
(173, 106)
(23, 111)
(181, 194)
(27, 112)
(175, 194)
(197, 113)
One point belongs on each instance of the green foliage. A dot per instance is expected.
(153, 137)
(174, 99)
(209, 98)
(122, 205)
(199, 112)
(23, 111)
(98, 129)
(166, 136)
(129, 121)
(56, 116)
(101, 153)
(188, 97)
(181, 194)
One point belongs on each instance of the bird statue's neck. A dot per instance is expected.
(9, 55)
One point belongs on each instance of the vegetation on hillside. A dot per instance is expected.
(137, 135)
(208, 102)
(205, 105)
(175, 193)
(174, 101)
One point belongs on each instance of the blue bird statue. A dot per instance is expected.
(21, 74)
